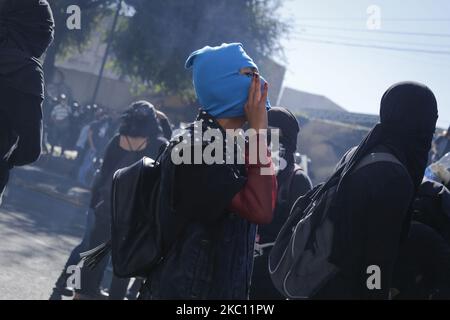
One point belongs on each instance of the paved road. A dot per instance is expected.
(37, 232)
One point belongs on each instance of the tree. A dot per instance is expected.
(65, 39)
(152, 45)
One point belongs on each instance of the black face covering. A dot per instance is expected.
(140, 120)
(26, 30)
(408, 116)
(284, 120)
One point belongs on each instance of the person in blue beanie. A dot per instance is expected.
(222, 76)
(209, 225)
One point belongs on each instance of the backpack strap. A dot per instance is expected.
(292, 176)
(367, 160)
(377, 157)
(283, 193)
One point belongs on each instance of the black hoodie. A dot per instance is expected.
(371, 211)
(26, 30)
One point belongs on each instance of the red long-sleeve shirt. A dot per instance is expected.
(256, 201)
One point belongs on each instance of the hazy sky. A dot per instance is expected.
(356, 77)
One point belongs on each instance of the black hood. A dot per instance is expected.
(283, 119)
(26, 25)
(26, 30)
(287, 123)
(22, 72)
(408, 115)
(140, 120)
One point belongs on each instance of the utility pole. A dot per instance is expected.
(108, 47)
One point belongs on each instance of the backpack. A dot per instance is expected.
(299, 260)
(135, 245)
(135, 229)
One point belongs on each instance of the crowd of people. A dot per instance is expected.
(219, 223)
(139, 134)
(85, 129)
(64, 121)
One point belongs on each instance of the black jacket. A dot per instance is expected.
(370, 217)
(21, 115)
(432, 207)
(212, 255)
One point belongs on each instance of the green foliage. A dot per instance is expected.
(92, 12)
(153, 44)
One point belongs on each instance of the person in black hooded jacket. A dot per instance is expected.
(292, 182)
(26, 30)
(371, 214)
(423, 266)
(140, 135)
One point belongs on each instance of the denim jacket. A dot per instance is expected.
(211, 256)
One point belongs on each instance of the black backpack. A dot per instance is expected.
(135, 228)
(299, 260)
(135, 243)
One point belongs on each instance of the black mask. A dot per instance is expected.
(408, 115)
(284, 120)
(140, 120)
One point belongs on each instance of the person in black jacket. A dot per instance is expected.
(371, 212)
(26, 30)
(139, 135)
(209, 209)
(293, 182)
(423, 267)
(432, 207)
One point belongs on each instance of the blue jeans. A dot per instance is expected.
(86, 166)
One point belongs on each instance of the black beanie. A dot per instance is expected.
(282, 118)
